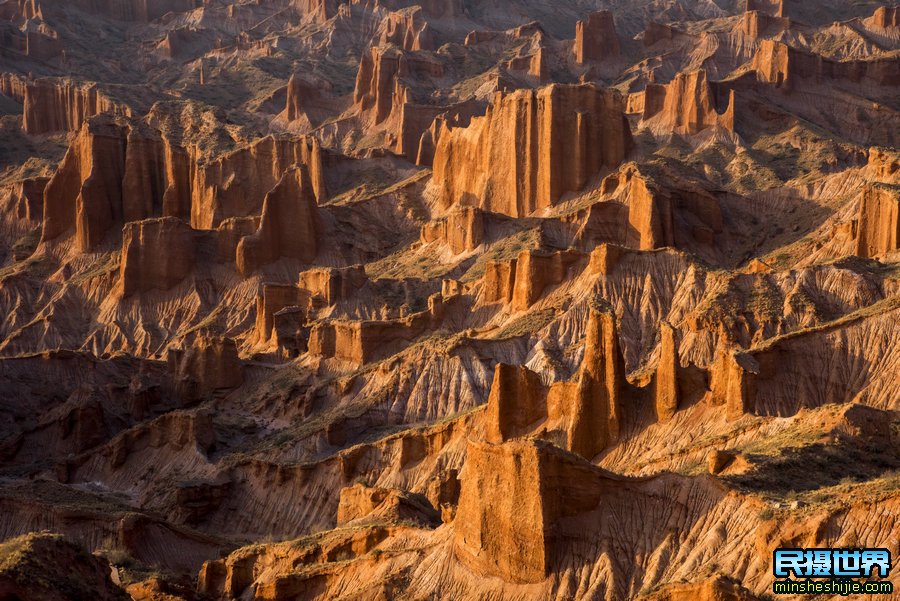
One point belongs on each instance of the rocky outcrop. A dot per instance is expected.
(535, 64)
(596, 38)
(62, 105)
(115, 172)
(513, 496)
(407, 29)
(157, 254)
(307, 101)
(289, 226)
(458, 115)
(665, 213)
(886, 16)
(518, 400)
(271, 299)
(596, 418)
(461, 231)
(360, 502)
(583, 415)
(329, 286)
(878, 221)
(236, 184)
(86, 191)
(531, 148)
(717, 588)
(13, 86)
(206, 365)
(363, 342)
(755, 24)
(666, 382)
(686, 105)
(781, 65)
(48, 567)
(377, 81)
(520, 282)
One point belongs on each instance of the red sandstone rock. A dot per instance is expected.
(666, 382)
(156, 254)
(878, 222)
(86, 191)
(531, 148)
(289, 226)
(596, 38)
(407, 29)
(686, 105)
(206, 365)
(462, 230)
(60, 105)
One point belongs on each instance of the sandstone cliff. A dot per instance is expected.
(86, 191)
(461, 231)
(235, 185)
(531, 148)
(596, 38)
(156, 254)
(204, 366)
(289, 226)
(686, 105)
(878, 221)
(61, 105)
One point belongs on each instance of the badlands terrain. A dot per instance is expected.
(450, 299)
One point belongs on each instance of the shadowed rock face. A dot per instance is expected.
(304, 300)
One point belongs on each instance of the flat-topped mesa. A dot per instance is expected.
(157, 254)
(782, 65)
(886, 16)
(363, 342)
(205, 366)
(512, 498)
(596, 38)
(407, 29)
(531, 148)
(62, 105)
(377, 81)
(686, 105)
(236, 184)
(289, 226)
(878, 220)
(520, 282)
(462, 230)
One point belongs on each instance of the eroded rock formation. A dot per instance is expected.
(531, 148)
(61, 105)
(157, 254)
(289, 226)
(686, 105)
(596, 38)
